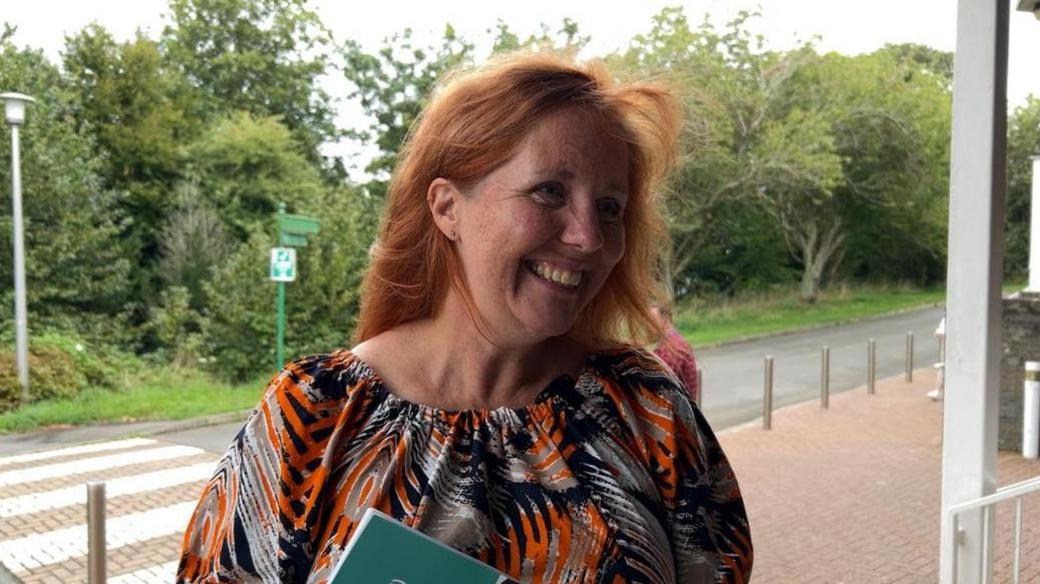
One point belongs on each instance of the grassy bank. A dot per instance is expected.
(157, 395)
(709, 323)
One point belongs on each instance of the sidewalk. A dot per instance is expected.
(851, 494)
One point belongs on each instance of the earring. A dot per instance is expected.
(451, 235)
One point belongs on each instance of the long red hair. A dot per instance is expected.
(476, 122)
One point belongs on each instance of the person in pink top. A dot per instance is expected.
(677, 354)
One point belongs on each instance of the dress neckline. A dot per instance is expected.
(549, 394)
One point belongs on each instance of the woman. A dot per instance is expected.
(492, 401)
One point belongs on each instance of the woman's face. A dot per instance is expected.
(538, 236)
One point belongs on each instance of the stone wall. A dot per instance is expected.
(1020, 343)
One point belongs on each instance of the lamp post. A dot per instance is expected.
(14, 108)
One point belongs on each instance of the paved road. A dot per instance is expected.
(733, 374)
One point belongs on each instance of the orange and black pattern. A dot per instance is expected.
(613, 477)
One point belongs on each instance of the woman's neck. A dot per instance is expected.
(446, 361)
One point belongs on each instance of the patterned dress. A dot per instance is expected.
(613, 477)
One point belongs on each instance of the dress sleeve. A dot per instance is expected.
(256, 517)
(704, 509)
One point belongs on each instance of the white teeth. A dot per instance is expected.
(565, 277)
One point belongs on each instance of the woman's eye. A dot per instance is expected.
(551, 194)
(610, 210)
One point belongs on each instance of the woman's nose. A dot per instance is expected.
(583, 230)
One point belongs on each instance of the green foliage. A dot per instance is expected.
(392, 86)
(835, 149)
(264, 57)
(136, 108)
(60, 366)
(244, 166)
(1023, 145)
(321, 304)
(77, 269)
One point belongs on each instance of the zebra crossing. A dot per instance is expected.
(151, 490)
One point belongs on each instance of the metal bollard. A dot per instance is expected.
(825, 377)
(1031, 411)
(871, 364)
(910, 356)
(96, 572)
(767, 400)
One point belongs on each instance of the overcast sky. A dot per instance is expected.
(847, 27)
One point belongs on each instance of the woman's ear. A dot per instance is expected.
(443, 197)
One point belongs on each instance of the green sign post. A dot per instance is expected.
(292, 233)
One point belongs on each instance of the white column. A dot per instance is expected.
(974, 273)
(1034, 230)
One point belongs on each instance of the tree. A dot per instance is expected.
(135, 109)
(393, 85)
(264, 57)
(321, 304)
(244, 166)
(733, 90)
(1023, 145)
(76, 267)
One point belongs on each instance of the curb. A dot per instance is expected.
(192, 423)
(759, 336)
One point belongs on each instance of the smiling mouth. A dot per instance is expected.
(555, 274)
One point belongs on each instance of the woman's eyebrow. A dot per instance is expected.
(564, 173)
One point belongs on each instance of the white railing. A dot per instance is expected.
(952, 538)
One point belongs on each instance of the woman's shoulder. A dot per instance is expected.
(637, 368)
(323, 377)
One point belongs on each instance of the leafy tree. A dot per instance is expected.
(393, 85)
(321, 304)
(733, 90)
(76, 268)
(135, 108)
(244, 166)
(193, 242)
(264, 57)
(565, 39)
(1023, 145)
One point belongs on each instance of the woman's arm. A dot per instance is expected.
(255, 519)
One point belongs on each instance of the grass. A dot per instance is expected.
(711, 323)
(167, 394)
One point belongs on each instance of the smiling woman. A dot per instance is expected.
(497, 399)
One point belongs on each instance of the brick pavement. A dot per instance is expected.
(151, 487)
(851, 494)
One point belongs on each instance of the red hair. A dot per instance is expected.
(475, 123)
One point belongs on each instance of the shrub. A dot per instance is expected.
(60, 366)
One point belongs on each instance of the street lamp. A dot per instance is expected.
(14, 108)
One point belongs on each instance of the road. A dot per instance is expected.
(733, 374)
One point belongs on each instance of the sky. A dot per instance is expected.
(846, 27)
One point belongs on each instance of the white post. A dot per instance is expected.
(1034, 231)
(14, 113)
(974, 273)
(1031, 411)
(20, 312)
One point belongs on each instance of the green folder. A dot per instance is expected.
(385, 551)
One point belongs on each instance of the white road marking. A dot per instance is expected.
(93, 464)
(74, 450)
(40, 549)
(128, 485)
